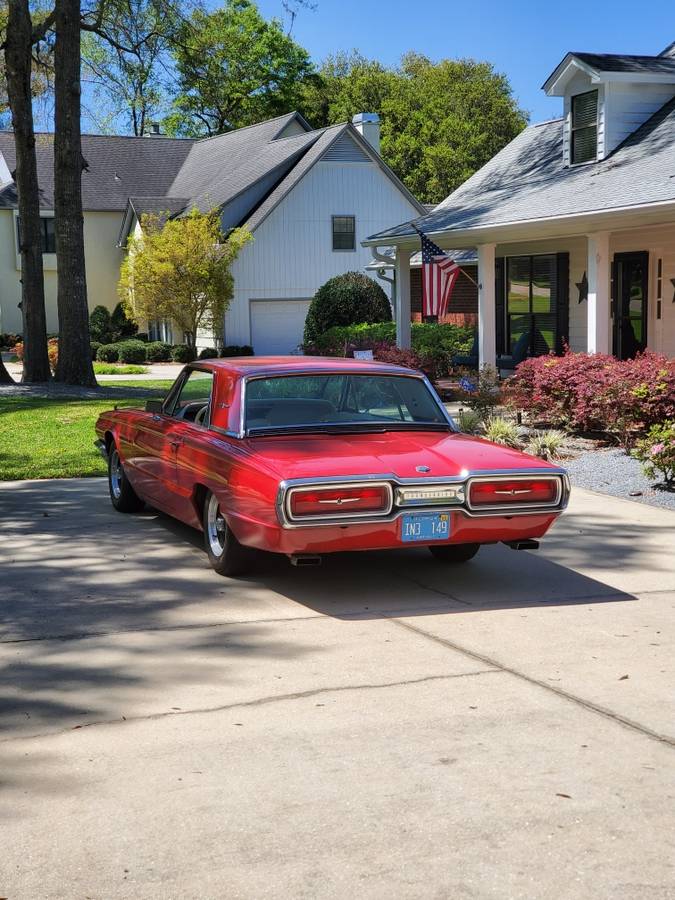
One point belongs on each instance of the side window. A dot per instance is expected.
(344, 233)
(193, 402)
(584, 127)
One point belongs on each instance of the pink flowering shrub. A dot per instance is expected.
(593, 392)
(657, 453)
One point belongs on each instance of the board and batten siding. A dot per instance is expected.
(291, 254)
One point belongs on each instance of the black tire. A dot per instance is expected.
(226, 555)
(454, 553)
(122, 496)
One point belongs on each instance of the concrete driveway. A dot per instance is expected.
(380, 727)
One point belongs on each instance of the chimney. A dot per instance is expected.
(153, 130)
(368, 125)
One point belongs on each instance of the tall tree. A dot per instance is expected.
(440, 121)
(234, 68)
(74, 363)
(21, 35)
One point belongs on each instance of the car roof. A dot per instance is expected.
(287, 365)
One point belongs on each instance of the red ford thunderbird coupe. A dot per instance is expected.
(307, 456)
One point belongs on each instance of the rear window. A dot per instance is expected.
(296, 401)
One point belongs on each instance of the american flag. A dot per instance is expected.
(439, 274)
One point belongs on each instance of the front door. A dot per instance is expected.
(629, 303)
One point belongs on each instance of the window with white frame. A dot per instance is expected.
(344, 232)
(47, 234)
(584, 131)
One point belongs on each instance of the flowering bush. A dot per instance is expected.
(657, 453)
(596, 392)
(52, 351)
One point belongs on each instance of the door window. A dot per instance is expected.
(193, 401)
(531, 298)
(630, 307)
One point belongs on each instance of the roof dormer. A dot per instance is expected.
(607, 97)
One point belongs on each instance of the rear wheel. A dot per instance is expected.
(454, 553)
(226, 555)
(123, 497)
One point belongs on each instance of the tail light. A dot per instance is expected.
(332, 502)
(515, 492)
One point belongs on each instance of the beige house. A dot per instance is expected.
(573, 222)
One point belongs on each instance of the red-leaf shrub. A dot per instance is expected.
(593, 392)
(52, 351)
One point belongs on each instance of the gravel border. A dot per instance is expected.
(614, 472)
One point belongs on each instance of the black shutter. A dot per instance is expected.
(562, 301)
(500, 305)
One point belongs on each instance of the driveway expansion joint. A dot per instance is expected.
(516, 673)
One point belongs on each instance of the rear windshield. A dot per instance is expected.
(329, 401)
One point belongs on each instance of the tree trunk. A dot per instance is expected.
(18, 64)
(74, 365)
(5, 377)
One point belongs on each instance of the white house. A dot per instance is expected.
(308, 195)
(573, 221)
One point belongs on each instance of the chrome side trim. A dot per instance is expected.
(460, 482)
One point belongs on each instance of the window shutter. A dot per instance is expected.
(562, 301)
(585, 109)
(584, 127)
(500, 305)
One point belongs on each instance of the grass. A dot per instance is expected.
(54, 438)
(113, 369)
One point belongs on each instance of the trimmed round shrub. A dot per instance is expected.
(100, 329)
(237, 350)
(181, 353)
(158, 351)
(346, 300)
(109, 353)
(95, 348)
(208, 353)
(132, 352)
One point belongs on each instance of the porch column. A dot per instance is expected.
(402, 307)
(487, 325)
(598, 339)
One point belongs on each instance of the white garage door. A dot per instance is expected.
(277, 326)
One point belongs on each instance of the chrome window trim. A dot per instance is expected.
(397, 512)
(302, 520)
(420, 376)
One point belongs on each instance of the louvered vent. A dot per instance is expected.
(345, 150)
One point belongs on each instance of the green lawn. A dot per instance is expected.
(54, 438)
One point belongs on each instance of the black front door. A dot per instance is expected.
(629, 295)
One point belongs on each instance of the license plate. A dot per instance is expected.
(425, 527)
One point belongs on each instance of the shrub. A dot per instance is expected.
(546, 444)
(108, 353)
(142, 336)
(132, 352)
(657, 453)
(481, 392)
(94, 345)
(114, 369)
(346, 300)
(9, 340)
(236, 350)
(469, 421)
(100, 328)
(503, 431)
(120, 325)
(208, 353)
(397, 357)
(157, 351)
(181, 353)
(596, 392)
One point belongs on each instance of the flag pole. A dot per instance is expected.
(464, 273)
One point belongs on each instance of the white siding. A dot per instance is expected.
(627, 106)
(291, 255)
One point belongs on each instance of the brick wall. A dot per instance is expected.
(463, 307)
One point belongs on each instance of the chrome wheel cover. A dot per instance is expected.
(115, 475)
(215, 527)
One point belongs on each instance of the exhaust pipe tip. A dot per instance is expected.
(526, 544)
(305, 559)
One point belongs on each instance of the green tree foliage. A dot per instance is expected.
(346, 300)
(121, 326)
(99, 325)
(440, 121)
(234, 68)
(181, 271)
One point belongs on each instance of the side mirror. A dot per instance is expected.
(154, 406)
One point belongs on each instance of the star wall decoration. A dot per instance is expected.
(582, 287)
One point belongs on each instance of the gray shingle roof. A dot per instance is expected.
(526, 180)
(619, 62)
(118, 167)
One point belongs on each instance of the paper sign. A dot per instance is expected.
(366, 355)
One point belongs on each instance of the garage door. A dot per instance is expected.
(277, 326)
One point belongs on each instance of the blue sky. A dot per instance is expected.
(525, 40)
